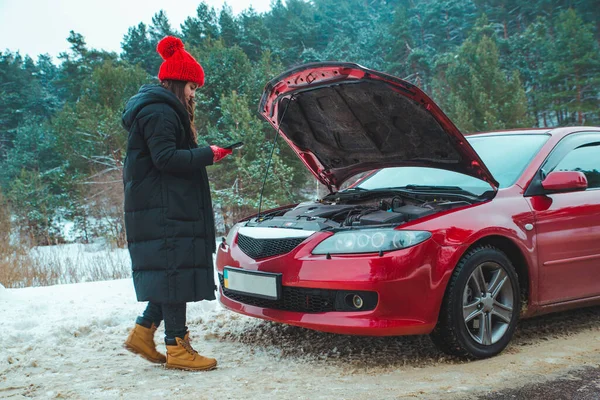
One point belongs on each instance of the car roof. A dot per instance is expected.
(555, 131)
(506, 132)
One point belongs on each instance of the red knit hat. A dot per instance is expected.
(179, 64)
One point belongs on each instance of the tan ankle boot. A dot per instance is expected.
(183, 356)
(141, 341)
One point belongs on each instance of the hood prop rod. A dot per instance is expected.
(271, 156)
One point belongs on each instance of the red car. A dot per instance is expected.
(457, 237)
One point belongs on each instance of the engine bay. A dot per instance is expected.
(360, 210)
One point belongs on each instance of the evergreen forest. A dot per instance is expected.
(489, 64)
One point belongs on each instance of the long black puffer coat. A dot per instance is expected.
(168, 211)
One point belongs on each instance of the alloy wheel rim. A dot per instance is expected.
(488, 303)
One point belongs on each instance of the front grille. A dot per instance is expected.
(292, 299)
(262, 248)
(305, 299)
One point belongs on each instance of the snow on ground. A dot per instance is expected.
(65, 341)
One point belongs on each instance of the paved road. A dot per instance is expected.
(583, 384)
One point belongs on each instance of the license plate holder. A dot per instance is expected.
(264, 285)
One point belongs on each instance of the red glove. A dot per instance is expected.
(219, 153)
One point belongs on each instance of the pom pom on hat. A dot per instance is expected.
(179, 65)
(168, 46)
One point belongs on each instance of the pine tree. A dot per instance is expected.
(353, 31)
(160, 28)
(293, 30)
(400, 43)
(252, 34)
(480, 96)
(196, 30)
(575, 61)
(27, 95)
(530, 54)
(422, 32)
(226, 70)
(138, 50)
(89, 133)
(37, 206)
(77, 66)
(229, 27)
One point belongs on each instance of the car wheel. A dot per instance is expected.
(481, 306)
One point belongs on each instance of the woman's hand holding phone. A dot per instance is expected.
(219, 153)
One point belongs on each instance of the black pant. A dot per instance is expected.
(174, 316)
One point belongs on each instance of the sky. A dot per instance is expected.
(36, 27)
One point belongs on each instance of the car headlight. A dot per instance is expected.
(232, 232)
(370, 241)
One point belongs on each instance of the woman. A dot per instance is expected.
(168, 211)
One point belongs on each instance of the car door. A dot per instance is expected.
(568, 224)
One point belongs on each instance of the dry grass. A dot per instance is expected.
(14, 264)
(21, 266)
(44, 266)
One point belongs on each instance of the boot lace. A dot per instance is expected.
(188, 347)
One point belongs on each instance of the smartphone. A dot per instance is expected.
(234, 145)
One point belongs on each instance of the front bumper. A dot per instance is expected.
(307, 300)
(409, 283)
(346, 323)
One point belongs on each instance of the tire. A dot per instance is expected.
(466, 316)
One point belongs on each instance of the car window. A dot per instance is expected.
(506, 156)
(403, 176)
(585, 159)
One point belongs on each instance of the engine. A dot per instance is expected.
(322, 215)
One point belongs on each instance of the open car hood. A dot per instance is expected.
(342, 119)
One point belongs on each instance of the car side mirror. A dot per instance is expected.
(565, 181)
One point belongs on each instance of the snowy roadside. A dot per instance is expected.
(65, 341)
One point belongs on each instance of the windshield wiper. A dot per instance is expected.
(446, 189)
(434, 188)
(457, 190)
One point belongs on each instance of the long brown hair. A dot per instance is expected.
(178, 89)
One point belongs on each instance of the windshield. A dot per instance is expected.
(506, 156)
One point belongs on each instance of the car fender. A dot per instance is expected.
(504, 218)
